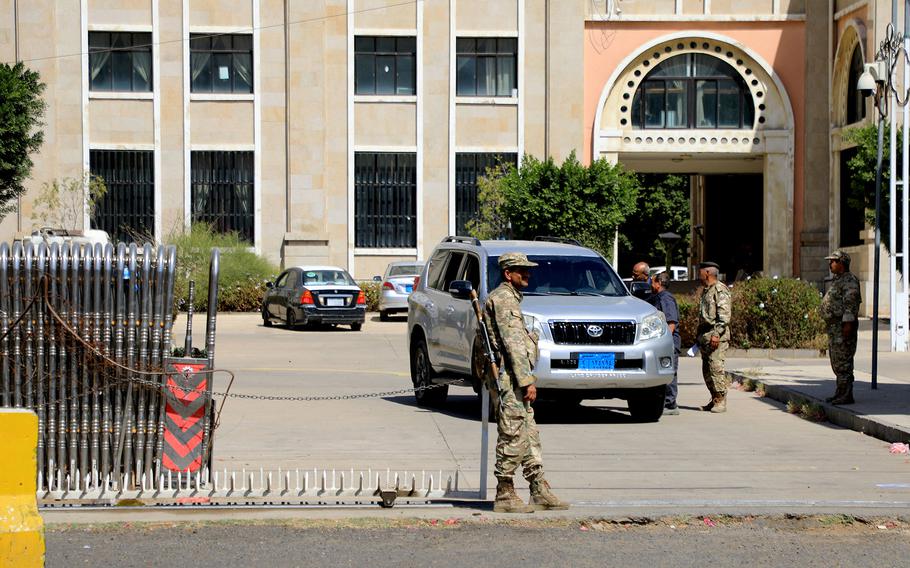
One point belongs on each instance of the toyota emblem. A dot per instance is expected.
(595, 330)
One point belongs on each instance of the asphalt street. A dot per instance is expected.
(754, 457)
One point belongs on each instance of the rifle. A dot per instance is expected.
(487, 347)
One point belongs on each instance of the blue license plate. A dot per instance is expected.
(596, 361)
(408, 288)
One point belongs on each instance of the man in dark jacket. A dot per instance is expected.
(663, 300)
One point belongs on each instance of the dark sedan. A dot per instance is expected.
(303, 295)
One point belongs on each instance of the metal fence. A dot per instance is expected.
(86, 334)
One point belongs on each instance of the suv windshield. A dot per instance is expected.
(322, 277)
(566, 276)
(405, 270)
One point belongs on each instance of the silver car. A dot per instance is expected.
(397, 284)
(596, 340)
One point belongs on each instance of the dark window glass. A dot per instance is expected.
(222, 185)
(120, 61)
(486, 67)
(693, 91)
(437, 262)
(221, 63)
(385, 200)
(385, 65)
(468, 168)
(127, 210)
(452, 270)
(856, 102)
(565, 275)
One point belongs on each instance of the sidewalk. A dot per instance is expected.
(883, 413)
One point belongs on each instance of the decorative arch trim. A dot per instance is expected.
(854, 35)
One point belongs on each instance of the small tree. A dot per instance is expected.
(862, 166)
(571, 200)
(663, 206)
(21, 109)
(62, 204)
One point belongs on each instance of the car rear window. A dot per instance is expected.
(566, 276)
(405, 270)
(323, 277)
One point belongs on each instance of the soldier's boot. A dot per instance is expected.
(846, 396)
(544, 499)
(838, 392)
(710, 405)
(507, 501)
(720, 404)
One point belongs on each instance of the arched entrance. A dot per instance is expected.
(751, 134)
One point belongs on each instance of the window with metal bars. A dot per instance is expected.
(385, 200)
(469, 166)
(127, 210)
(222, 185)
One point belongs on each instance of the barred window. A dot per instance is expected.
(385, 65)
(487, 67)
(468, 168)
(221, 63)
(120, 61)
(222, 185)
(385, 200)
(693, 90)
(127, 210)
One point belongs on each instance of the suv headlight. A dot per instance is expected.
(653, 326)
(533, 324)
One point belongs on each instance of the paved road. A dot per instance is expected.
(755, 455)
(681, 543)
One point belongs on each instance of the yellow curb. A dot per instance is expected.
(21, 527)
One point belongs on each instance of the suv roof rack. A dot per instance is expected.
(562, 240)
(458, 239)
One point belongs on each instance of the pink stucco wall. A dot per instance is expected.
(781, 44)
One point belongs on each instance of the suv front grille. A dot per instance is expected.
(585, 332)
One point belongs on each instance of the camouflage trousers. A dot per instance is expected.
(713, 368)
(841, 352)
(519, 440)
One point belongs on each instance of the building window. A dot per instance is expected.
(693, 91)
(487, 67)
(856, 102)
(470, 166)
(120, 61)
(385, 65)
(385, 200)
(222, 191)
(221, 63)
(127, 210)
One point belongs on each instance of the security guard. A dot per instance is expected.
(519, 440)
(713, 334)
(839, 309)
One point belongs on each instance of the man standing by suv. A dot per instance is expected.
(663, 300)
(519, 440)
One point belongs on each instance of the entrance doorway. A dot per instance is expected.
(727, 221)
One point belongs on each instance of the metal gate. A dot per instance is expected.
(86, 336)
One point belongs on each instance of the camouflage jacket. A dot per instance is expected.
(841, 303)
(517, 347)
(714, 312)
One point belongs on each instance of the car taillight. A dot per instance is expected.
(361, 299)
(388, 285)
(416, 282)
(306, 298)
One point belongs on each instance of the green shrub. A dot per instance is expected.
(242, 273)
(371, 290)
(767, 314)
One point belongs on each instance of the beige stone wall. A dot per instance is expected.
(484, 15)
(120, 12)
(384, 14)
(236, 14)
(373, 124)
(651, 7)
(221, 122)
(272, 158)
(170, 177)
(494, 126)
(121, 122)
(742, 7)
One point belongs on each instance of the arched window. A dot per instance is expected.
(693, 90)
(856, 102)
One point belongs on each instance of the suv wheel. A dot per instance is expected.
(422, 375)
(291, 320)
(266, 320)
(648, 405)
(383, 315)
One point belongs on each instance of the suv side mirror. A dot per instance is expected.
(640, 289)
(269, 284)
(377, 279)
(460, 289)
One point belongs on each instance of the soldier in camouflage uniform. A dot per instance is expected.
(839, 309)
(519, 440)
(713, 334)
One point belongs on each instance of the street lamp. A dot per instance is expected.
(670, 239)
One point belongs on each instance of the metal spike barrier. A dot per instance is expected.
(61, 306)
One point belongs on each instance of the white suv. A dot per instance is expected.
(596, 340)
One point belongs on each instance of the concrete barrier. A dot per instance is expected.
(21, 527)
